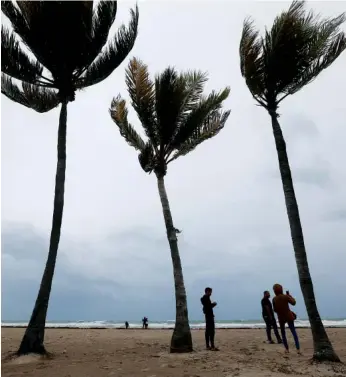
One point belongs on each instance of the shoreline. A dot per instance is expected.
(154, 328)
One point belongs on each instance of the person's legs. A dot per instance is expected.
(294, 334)
(212, 333)
(283, 335)
(207, 333)
(276, 332)
(268, 329)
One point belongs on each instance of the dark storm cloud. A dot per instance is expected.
(76, 295)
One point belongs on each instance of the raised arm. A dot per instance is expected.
(291, 300)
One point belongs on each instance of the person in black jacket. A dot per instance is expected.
(269, 318)
(209, 319)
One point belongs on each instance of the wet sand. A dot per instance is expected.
(132, 353)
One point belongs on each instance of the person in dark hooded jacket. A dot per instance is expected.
(281, 304)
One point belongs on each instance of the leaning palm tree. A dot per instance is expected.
(176, 118)
(68, 41)
(289, 56)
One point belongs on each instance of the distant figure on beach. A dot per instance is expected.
(281, 303)
(126, 325)
(209, 319)
(269, 318)
(145, 323)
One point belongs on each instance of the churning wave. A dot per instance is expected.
(170, 324)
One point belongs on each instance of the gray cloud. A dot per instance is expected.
(123, 287)
(114, 260)
(336, 215)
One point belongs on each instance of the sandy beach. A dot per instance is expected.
(132, 353)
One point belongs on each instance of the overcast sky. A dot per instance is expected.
(226, 196)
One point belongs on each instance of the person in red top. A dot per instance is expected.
(281, 304)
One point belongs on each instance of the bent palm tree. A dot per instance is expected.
(292, 54)
(176, 118)
(69, 42)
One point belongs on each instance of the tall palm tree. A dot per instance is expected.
(289, 56)
(68, 41)
(176, 118)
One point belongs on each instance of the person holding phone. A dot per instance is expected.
(209, 319)
(281, 304)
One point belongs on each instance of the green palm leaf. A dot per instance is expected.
(14, 62)
(119, 112)
(324, 48)
(31, 96)
(174, 113)
(170, 94)
(251, 62)
(291, 54)
(102, 21)
(194, 85)
(114, 54)
(214, 123)
(197, 117)
(142, 94)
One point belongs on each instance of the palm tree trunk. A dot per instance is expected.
(181, 338)
(33, 340)
(323, 349)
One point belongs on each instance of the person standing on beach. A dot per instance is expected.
(145, 322)
(209, 319)
(269, 318)
(281, 304)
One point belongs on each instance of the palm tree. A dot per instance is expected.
(289, 56)
(176, 118)
(68, 41)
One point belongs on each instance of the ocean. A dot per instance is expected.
(226, 324)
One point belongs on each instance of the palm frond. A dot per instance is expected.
(50, 29)
(14, 61)
(285, 48)
(59, 33)
(251, 61)
(326, 46)
(297, 48)
(20, 24)
(194, 82)
(197, 117)
(32, 96)
(170, 94)
(21, 20)
(147, 158)
(114, 54)
(210, 128)
(17, 20)
(119, 112)
(142, 94)
(102, 21)
(194, 85)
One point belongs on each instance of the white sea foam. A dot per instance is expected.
(170, 324)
